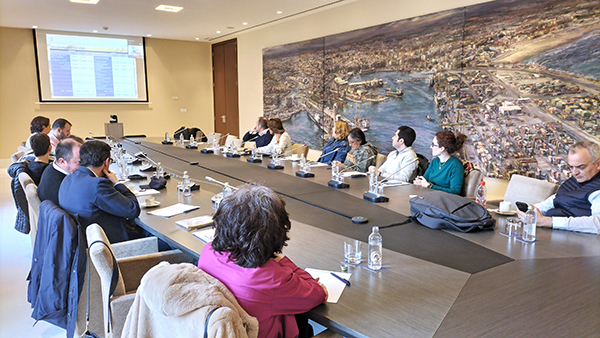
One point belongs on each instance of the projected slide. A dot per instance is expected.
(91, 67)
(84, 67)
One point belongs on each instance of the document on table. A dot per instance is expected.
(353, 173)
(145, 192)
(195, 222)
(393, 183)
(318, 164)
(334, 286)
(206, 235)
(174, 209)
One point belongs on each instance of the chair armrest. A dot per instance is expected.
(133, 268)
(136, 247)
(120, 306)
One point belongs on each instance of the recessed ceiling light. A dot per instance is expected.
(90, 2)
(218, 32)
(244, 23)
(34, 27)
(95, 31)
(197, 38)
(168, 8)
(149, 35)
(279, 12)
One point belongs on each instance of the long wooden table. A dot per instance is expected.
(438, 284)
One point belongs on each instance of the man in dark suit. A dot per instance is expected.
(259, 134)
(66, 162)
(94, 193)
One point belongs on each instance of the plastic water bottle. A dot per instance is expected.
(529, 225)
(187, 186)
(160, 172)
(375, 241)
(481, 194)
(181, 140)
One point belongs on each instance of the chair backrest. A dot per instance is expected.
(229, 140)
(101, 256)
(24, 179)
(300, 149)
(33, 204)
(16, 156)
(212, 136)
(471, 182)
(423, 165)
(528, 190)
(380, 159)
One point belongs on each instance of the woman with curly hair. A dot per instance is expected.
(251, 231)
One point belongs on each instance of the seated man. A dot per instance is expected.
(39, 124)
(40, 143)
(401, 163)
(66, 162)
(259, 134)
(94, 193)
(576, 204)
(61, 129)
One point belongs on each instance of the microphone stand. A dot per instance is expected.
(167, 139)
(227, 189)
(253, 158)
(304, 171)
(339, 182)
(373, 195)
(275, 161)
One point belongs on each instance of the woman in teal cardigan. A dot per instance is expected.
(445, 172)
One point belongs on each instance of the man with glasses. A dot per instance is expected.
(95, 195)
(576, 204)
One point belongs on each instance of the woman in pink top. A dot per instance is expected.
(251, 231)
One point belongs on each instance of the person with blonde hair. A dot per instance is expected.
(445, 172)
(337, 147)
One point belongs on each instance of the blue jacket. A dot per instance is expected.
(57, 268)
(339, 155)
(95, 200)
(261, 141)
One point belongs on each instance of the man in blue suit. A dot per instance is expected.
(94, 193)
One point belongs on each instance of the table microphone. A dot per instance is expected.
(209, 151)
(222, 184)
(374, 196)
(342, 185)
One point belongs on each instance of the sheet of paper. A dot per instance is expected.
(174, 209)
(334, 286)
(393, 183)
(145, 192)
(206, 235)
(318, 164)
(351, 173)
(195, 222)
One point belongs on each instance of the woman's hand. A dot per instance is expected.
(324, 289)
(421, 181)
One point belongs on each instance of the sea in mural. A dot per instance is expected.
(413, 109)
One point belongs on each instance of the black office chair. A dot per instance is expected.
(423, 165)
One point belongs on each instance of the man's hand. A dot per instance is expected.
(374, 169)
(110, 175)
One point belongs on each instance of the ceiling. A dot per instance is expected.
(199, 20)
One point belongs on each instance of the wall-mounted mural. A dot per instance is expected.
(520, 78)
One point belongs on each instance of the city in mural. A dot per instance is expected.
(520, 78)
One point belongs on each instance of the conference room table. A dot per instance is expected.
(435, 283)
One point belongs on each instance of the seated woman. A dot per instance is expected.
(362, 155)
(251, 230)
(445, 172)
(281, 141)
(337, 147)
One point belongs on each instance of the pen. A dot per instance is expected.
(185, 212)
(347, 282)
